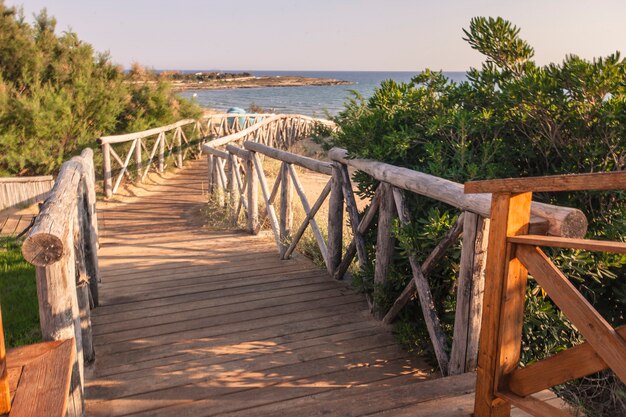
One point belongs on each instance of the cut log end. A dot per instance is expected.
(42, 249)
(574, 225)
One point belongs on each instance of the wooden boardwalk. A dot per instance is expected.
(195, 322)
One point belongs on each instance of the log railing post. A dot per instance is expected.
(469, 299)
(60, 318)
(161, 140)
(253, 197)
(286, 207)
(335, 221)
(503, 303)
(384, 243)
(179, 148)
(106, 170)
(82, 278)
(210, 177)
(233, 190)
(89, 223)
(138, 165)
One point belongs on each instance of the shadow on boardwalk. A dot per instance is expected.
(195, 322)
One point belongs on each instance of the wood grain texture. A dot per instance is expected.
(384, 242)
(571, 182)
(335, 221)
(573, 363)
(504, 276)
(45, 379)
(609, 345)
(469, 301)
(561, 242)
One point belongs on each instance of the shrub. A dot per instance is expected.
(57, 95)
(510, 118)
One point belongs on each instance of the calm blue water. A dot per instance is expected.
(310, 100)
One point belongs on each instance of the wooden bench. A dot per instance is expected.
(35, 379)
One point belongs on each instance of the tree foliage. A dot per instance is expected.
(510, 118)
(57, 95)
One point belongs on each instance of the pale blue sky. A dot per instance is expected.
(372, 35)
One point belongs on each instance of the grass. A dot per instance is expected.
(18, 295)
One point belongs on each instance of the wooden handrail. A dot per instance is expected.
(144, 133)
(553, 183)
(512, 254)
(62, 244)
(562, 221)
(291, 158)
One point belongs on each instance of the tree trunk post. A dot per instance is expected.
(384, 243)
(335, 221)
(106, 170)
(286, 206)
(179, 150)
(138, 164)
(161, 139)
(470, 289)
(59, 315)
(253, 197)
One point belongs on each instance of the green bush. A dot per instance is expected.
(57, 95)
(510, 118)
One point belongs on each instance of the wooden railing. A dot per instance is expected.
(472, 224)
(149, 149)
(20, 191)
(62, 244)
(512, 254)
(279, 131)
(241, 187)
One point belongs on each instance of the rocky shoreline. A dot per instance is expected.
(255, 82)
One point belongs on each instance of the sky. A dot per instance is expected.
(340, 35)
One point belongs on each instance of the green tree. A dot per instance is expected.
(57, 95)
(510, 118)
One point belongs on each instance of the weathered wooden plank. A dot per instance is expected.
(384, 243)
(609, 345)
(570, 364)
(533, 406)
(560, 242)
(500, 340)
(469, 299)
(570, 182)
(290, 158)
(45, 379)
(362, 228)
(335, 221)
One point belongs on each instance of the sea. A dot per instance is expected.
(317, 101)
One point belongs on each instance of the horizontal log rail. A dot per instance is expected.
(62, 245)
(277, 131)
(560, 221)
(472, 225)
(235, 165)
(150, 149)
(512, 255)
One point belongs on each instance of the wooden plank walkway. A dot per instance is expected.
(195, 322)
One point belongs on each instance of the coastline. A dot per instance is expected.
(256, 82)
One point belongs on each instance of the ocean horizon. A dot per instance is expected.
(316, 101)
